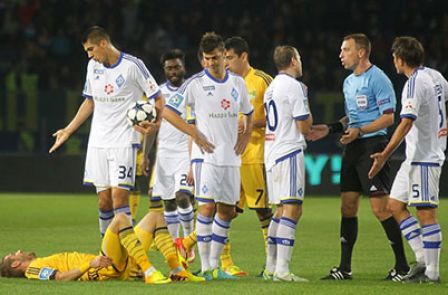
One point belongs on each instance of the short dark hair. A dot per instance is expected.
(211, 41)
(283, 55)
(173, 54)
(7, 271)
(238, 44)
(95, 34)
(410, 50)
(361, 41)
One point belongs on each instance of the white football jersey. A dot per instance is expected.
(285, 101)
(114, 90)
(172, 143)
(423, 100)
(215, 105)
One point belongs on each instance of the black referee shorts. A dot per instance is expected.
(356, 163)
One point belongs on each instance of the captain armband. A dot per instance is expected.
(337, 127)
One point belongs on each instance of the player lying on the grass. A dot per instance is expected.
(123, 257)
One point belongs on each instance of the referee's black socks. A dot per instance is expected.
(393, 233)
(349, 233)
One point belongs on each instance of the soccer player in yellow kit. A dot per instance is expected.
(253, 184)
(123, 256)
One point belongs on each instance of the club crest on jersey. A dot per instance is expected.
(120, 81)
(225, 104)
(152, 86)
(204, 189)
(108, 88)
(209, 89)
(234, 94)
(175, 100)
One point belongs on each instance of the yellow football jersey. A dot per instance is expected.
(256, 82)
(45, 268)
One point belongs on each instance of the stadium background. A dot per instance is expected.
(42, 65)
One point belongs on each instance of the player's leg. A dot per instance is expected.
(378, 190)
(122, 226)
(183, 194)
(122, 163)
(290, 190)
(424, 179)
(409, 226)
(152, 228)
(134, 196)
(96, 173)
(225, 182)
(392, 229)
(105, 208)
(350, 194)
(206, 210)
(164, 183)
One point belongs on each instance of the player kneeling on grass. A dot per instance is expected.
(124, 257)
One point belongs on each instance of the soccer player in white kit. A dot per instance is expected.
(173, 158)
(288, 119)
(114, 82)
(423, 126)
(215, 97)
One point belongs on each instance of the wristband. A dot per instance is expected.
(335, 127)
(84, 267)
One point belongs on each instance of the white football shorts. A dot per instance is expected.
(170, 176)
(219, 184)
(110, 167)
(417, 184)
(286, 180)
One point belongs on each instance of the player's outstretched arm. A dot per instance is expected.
(380, 158)
(76, 273)
(84, 112)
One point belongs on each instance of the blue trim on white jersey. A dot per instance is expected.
(173, 109)
(170, 86)
(411, 82)
(217, 80)
(288, 156)
(140, 65)
(115, 64)
(409, 116)
(87, 96)
(197, 161)
(250, 113)
(301, 118)
(155, 95)
(428, 164)
(182, 88)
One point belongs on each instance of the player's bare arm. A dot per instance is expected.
(244, 136)
(380, 158)
(305, 126)
(74, 274)
(84, 112)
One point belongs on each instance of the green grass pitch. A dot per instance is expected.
(53, 223)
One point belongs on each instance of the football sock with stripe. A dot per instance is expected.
(172, 221)
(204, 237)
(432, 241)
(285, 244)
(411, 231)
(220, 230)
